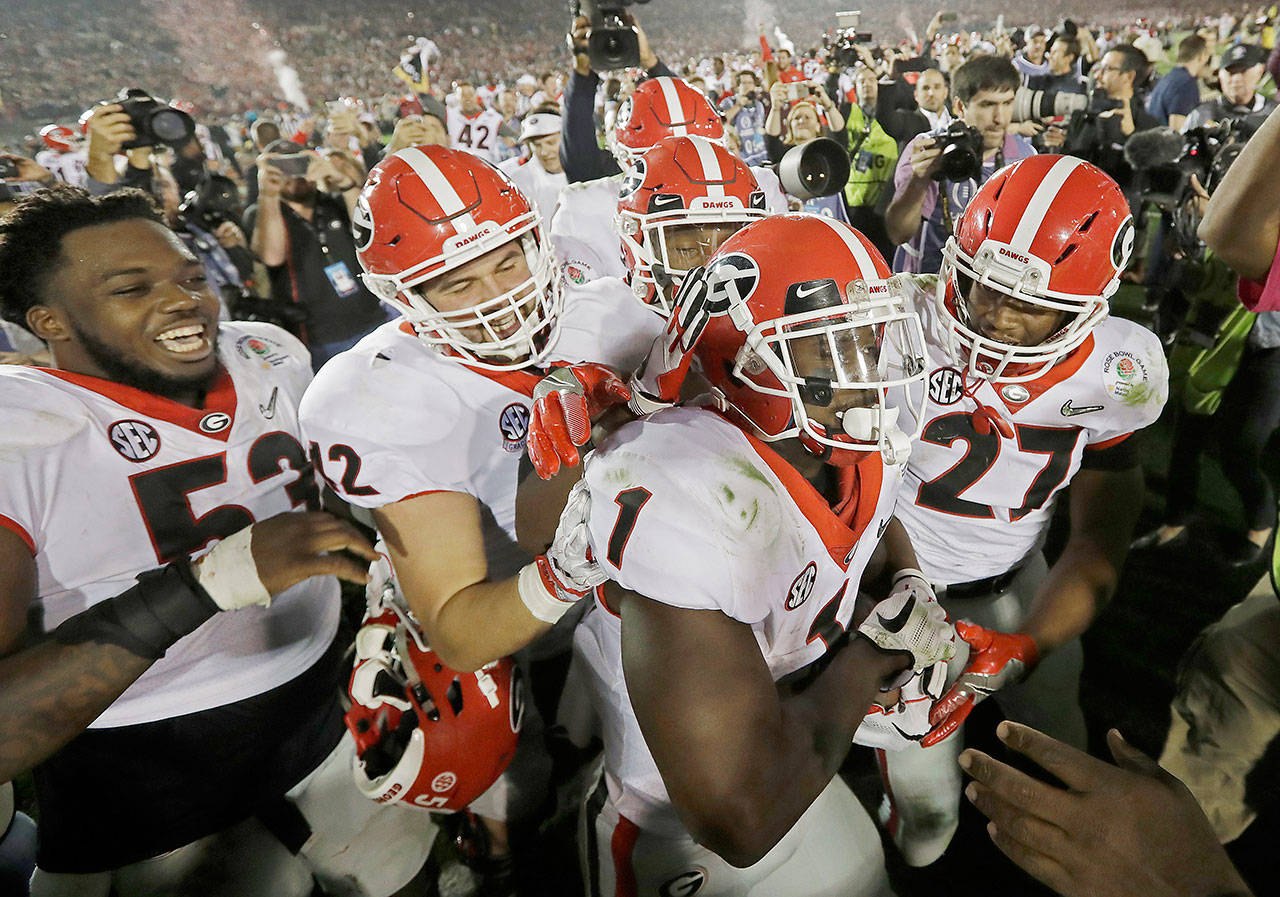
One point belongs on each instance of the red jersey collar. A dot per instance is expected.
(220, 399)
(841, 526)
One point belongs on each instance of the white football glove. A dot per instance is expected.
(912, 620)
(567, 573)
(894, 728)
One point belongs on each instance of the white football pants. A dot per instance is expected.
(923, 785)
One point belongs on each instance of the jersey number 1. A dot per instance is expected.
(629, 502)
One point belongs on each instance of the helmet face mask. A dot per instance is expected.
(427, 212)
(1052, 234)
(844, 392)
(816, 344)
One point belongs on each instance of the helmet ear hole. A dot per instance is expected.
(453, 694)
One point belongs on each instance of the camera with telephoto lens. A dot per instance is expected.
(612, 42)
(961, 147)
(214, 200)
(153, 121)
(1084, 137)
(1033, 105)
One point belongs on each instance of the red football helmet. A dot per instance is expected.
(1051, 231)
(668, 205)
(807, 338)
(60, 138)
(661, 107)
(427, 210)
(426, 735)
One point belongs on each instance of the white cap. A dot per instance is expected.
(539, 124)
(526, 78)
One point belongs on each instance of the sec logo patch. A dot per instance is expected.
(802, 587)
(946, 386)
(134, 439)
(513, 423)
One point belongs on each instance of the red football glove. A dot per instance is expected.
(656, 385)
(565, 402)
(996, 660)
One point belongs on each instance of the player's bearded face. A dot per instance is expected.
(138, 307)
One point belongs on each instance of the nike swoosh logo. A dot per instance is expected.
(660, 201)
(802, 293)
(1068, 410)
(269, 410)
(896, 624)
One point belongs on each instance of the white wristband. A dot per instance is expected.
(538, 599)
(904, 573)
(230, 575)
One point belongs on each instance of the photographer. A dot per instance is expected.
(1115, 113)
(1063, 75)
(110, 127)
(873, 155)
(1243, 66)
(580, 152)
(301, 230)
(745, 112)
(1032, 61)
(926, 204)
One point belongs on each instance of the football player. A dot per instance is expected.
(63, 154)
(168, 605)
(475, 127)
(539, 174)
(1034, 392)
(582, 228)
(739, 536)
(424, 421)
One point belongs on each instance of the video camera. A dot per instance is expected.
(841, 45)
(153, 121)
(1165, 161)
(612, 43)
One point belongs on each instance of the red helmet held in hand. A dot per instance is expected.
(426, 735)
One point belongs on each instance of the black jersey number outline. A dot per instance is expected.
(164, 494)
(943, 492)
(629, 502)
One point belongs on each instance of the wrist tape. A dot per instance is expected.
(146, 619)
(537, 598)
(229, 575)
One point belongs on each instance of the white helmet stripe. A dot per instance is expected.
(711, 169)
(1038, 207)
(439, 186)
(675, 112)
(865, 263)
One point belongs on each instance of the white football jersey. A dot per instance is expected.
(688, 510)
(392, 418)
(476, 133)
(978, 504)
(539, 185)
(66, 167)
(582, 232)
(104, 481)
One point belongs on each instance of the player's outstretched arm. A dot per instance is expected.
(436, 546)
(1114, 831)
(740, 763)
(1104, 510)
(52, 690)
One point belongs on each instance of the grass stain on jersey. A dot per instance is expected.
(727, 492)
(750, 514)
(750, 471)
(618, 475)
(1139, 394)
